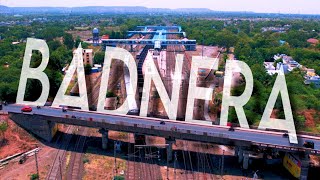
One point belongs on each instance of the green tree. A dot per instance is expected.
(99, 57)
(3, 129)
(34, 177)
(110, 94)
(53, 45)
(226, 38)
(87, 69)
(78, 41)
(68, 40)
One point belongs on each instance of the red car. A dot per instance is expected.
(26, 109)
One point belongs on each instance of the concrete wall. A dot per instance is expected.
(39, 124)
(36, 125)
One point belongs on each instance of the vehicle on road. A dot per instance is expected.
(162, 123)
(230, 125)
(1, 107)
(73, 116)
(26, 109)
(64, 109)
(285, 135)
(93, 108)
(174, 128)
(38, 107)
(133, 112)
(308, 144)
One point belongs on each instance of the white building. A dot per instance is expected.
(286, 66)
(313, 79)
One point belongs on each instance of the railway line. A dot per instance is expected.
(146, 167)
(142, 163)
(74, 172)
(56, 170)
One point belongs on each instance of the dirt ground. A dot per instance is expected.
(102, 167)
(16, 171)
(19, 141)
(16, 140)
(312, 120)
(84, 35)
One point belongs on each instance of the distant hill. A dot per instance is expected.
(140, 10)
(193, 10)
(95, 10)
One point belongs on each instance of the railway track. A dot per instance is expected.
(56, 170)
(141, 165)
(151, 169)
(74, 171)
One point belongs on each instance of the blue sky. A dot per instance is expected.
(272, 6)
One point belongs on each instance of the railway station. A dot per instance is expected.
(161, 45)
(156, 36)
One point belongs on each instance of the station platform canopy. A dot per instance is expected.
(159, 39)
(160, 28)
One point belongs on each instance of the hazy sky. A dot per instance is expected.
(273, 6)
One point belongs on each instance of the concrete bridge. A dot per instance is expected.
(42, 122)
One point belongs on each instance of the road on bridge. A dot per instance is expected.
(240, 134)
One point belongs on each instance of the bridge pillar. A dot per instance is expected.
(169, 142)
(239, 154)
(139, 139)
(245, 164)
(236, 151)
(105, 139)
(305, 163)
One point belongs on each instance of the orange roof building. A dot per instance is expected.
(313, 41)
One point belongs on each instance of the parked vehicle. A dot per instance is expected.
(292, 164)
(26, 109)
(285, 135)
(22, 159)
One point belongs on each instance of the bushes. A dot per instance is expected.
(118, 178)
(34, 177)
(110, 94)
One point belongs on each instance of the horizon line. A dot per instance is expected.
(168, 8)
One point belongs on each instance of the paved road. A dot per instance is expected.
(255, 136)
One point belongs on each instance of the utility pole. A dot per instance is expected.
(167, 162)
(140, 159)
(60, 168)
(155, 145)
(134, 159)
(36, 158)
(174, 165)
(222, 163)
(115, 159)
